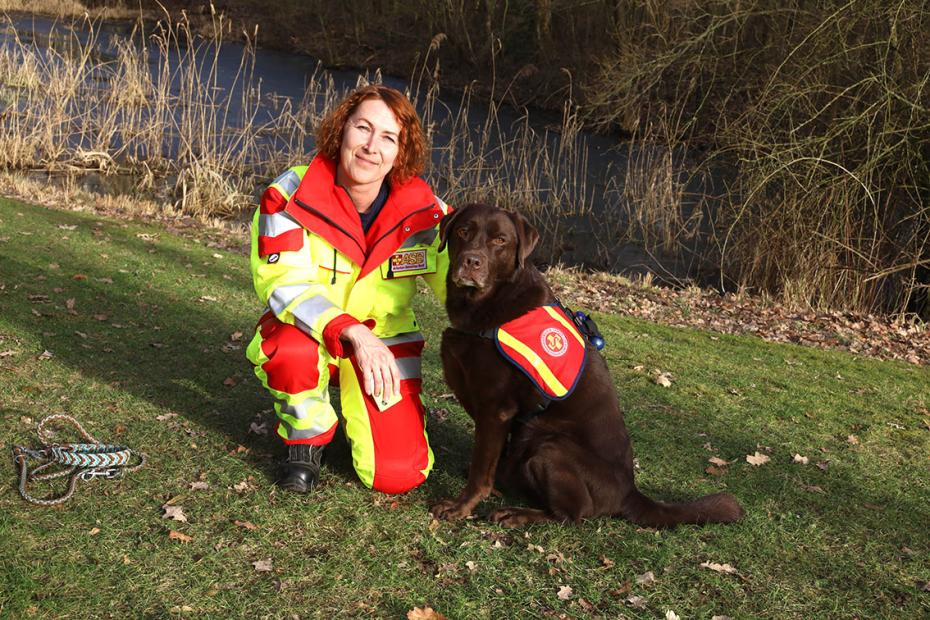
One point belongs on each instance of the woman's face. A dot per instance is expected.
(370, 143)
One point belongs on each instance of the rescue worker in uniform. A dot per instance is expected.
(336, 246)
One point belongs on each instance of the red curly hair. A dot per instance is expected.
(411, 156)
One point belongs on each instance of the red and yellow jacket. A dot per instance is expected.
(315, 268)
(547, 347)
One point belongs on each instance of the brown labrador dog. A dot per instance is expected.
(574, 459)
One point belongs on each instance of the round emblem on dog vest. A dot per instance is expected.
(554, 342)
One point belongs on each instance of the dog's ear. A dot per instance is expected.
(445, 225)
(527, 237)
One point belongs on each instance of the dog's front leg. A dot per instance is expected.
(490, 435)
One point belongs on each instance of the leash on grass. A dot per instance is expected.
(80, 461)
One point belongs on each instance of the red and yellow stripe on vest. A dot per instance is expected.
(547, 347)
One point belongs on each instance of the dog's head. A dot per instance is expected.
(487, 246)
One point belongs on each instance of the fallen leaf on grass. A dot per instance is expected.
(671, 615)
(424, 613)
(262, 566)
(235, 336)
(207, 298)
(852, 440)
(181, 609)
(174, 512)
(167, 416)
(470, 565)
(720, 568)
(94, 531)
(813, 488)
(718, 461)
(721, 618)
(258, 429)
(9, 353)
(199, 486)
(646, 578)
(180, 537)
(607, 562)
(242, 487)
(46, 355)
(757, 459)
(803, 460)
(637, 602)
(565, 593)
(246, 524)
(664, 379)
(623, 590)
(923, 586)
(229, 382)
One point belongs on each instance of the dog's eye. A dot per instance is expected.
(462, 232)
(499, 240)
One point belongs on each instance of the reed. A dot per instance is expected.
(803, 127)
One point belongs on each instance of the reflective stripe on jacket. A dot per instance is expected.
(547, 347)
(315, 268)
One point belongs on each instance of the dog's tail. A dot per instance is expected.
(715, 508)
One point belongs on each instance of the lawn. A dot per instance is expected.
(139, 333)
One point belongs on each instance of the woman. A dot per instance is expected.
(335, 246)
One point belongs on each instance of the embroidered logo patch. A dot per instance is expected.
(410, 260)
(554, 342)
(273, 258)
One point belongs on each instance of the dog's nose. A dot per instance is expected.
(472, 261)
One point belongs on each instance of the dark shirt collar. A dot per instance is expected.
(368, 217)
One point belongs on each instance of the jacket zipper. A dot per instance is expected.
(332, 223)
(401, 223)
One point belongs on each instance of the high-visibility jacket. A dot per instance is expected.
(547, 347)
(315, 267)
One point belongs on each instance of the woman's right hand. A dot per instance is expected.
(380, 373)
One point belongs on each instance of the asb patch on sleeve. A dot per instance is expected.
(547, 347)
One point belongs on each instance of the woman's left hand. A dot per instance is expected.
(379, 368)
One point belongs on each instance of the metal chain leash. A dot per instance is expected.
(84, 461)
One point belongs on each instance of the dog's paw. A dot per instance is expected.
(515, 517)
(450, 510)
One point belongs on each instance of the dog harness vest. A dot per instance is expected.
(547, 347)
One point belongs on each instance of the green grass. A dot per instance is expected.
(159, 346)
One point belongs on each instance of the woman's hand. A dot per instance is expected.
(379, 370)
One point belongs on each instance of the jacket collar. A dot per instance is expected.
(325, 209)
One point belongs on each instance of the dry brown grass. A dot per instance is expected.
(69, 8)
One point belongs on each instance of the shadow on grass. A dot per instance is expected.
(182, 366)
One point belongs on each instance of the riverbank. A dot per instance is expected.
(794, 164)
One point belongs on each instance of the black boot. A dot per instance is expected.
(301, 470)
